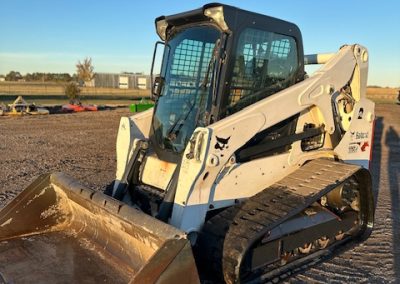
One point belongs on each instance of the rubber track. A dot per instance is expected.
(274, 205)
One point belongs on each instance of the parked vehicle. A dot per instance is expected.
(21, 107)
(78, 108)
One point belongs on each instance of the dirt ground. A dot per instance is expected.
(83, 145)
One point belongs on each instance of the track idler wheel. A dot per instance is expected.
(323, 242)
(306, 248)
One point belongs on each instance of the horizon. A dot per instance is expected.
(120, 36)
(147, 74)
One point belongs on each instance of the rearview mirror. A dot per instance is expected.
(158, 85)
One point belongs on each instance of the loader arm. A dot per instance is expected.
(196, 198)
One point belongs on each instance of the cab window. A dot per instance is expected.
(265, 63)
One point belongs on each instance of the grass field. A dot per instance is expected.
(51, 88)
(383, 95)
(42, 99)
(53, 93)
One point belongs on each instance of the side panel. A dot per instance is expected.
(156, 172)
(241, 181)
(356, 145)
(130, 128)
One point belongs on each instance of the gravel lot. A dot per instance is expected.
(83, 145)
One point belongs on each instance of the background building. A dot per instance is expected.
(122, 81)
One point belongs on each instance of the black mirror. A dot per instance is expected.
(157, 83)
(158, 86)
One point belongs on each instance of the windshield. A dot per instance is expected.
(184, 102)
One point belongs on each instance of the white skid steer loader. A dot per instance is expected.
(245, 170)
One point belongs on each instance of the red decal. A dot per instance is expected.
(365, 145)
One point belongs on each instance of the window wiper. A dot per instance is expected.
(171, 131)
(203, 86)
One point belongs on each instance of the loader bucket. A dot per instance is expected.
(57, 230)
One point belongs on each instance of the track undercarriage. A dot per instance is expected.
(298, 220)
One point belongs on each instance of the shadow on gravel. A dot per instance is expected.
(377, 157)
(392, 141)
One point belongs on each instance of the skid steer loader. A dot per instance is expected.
(245, 171)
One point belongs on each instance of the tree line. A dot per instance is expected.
(40, 77)
(84, 73)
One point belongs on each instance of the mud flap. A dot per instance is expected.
(58, 230)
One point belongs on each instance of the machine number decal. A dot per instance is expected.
(354, 147)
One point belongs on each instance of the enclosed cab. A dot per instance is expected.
(218, 60)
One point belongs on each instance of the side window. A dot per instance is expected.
(265, 63)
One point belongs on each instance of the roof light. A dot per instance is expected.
(217, 14)
(162, 28)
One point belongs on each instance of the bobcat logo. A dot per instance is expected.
(222, 143)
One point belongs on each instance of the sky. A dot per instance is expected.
(119, 36)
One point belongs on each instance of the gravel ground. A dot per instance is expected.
(83, 145)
